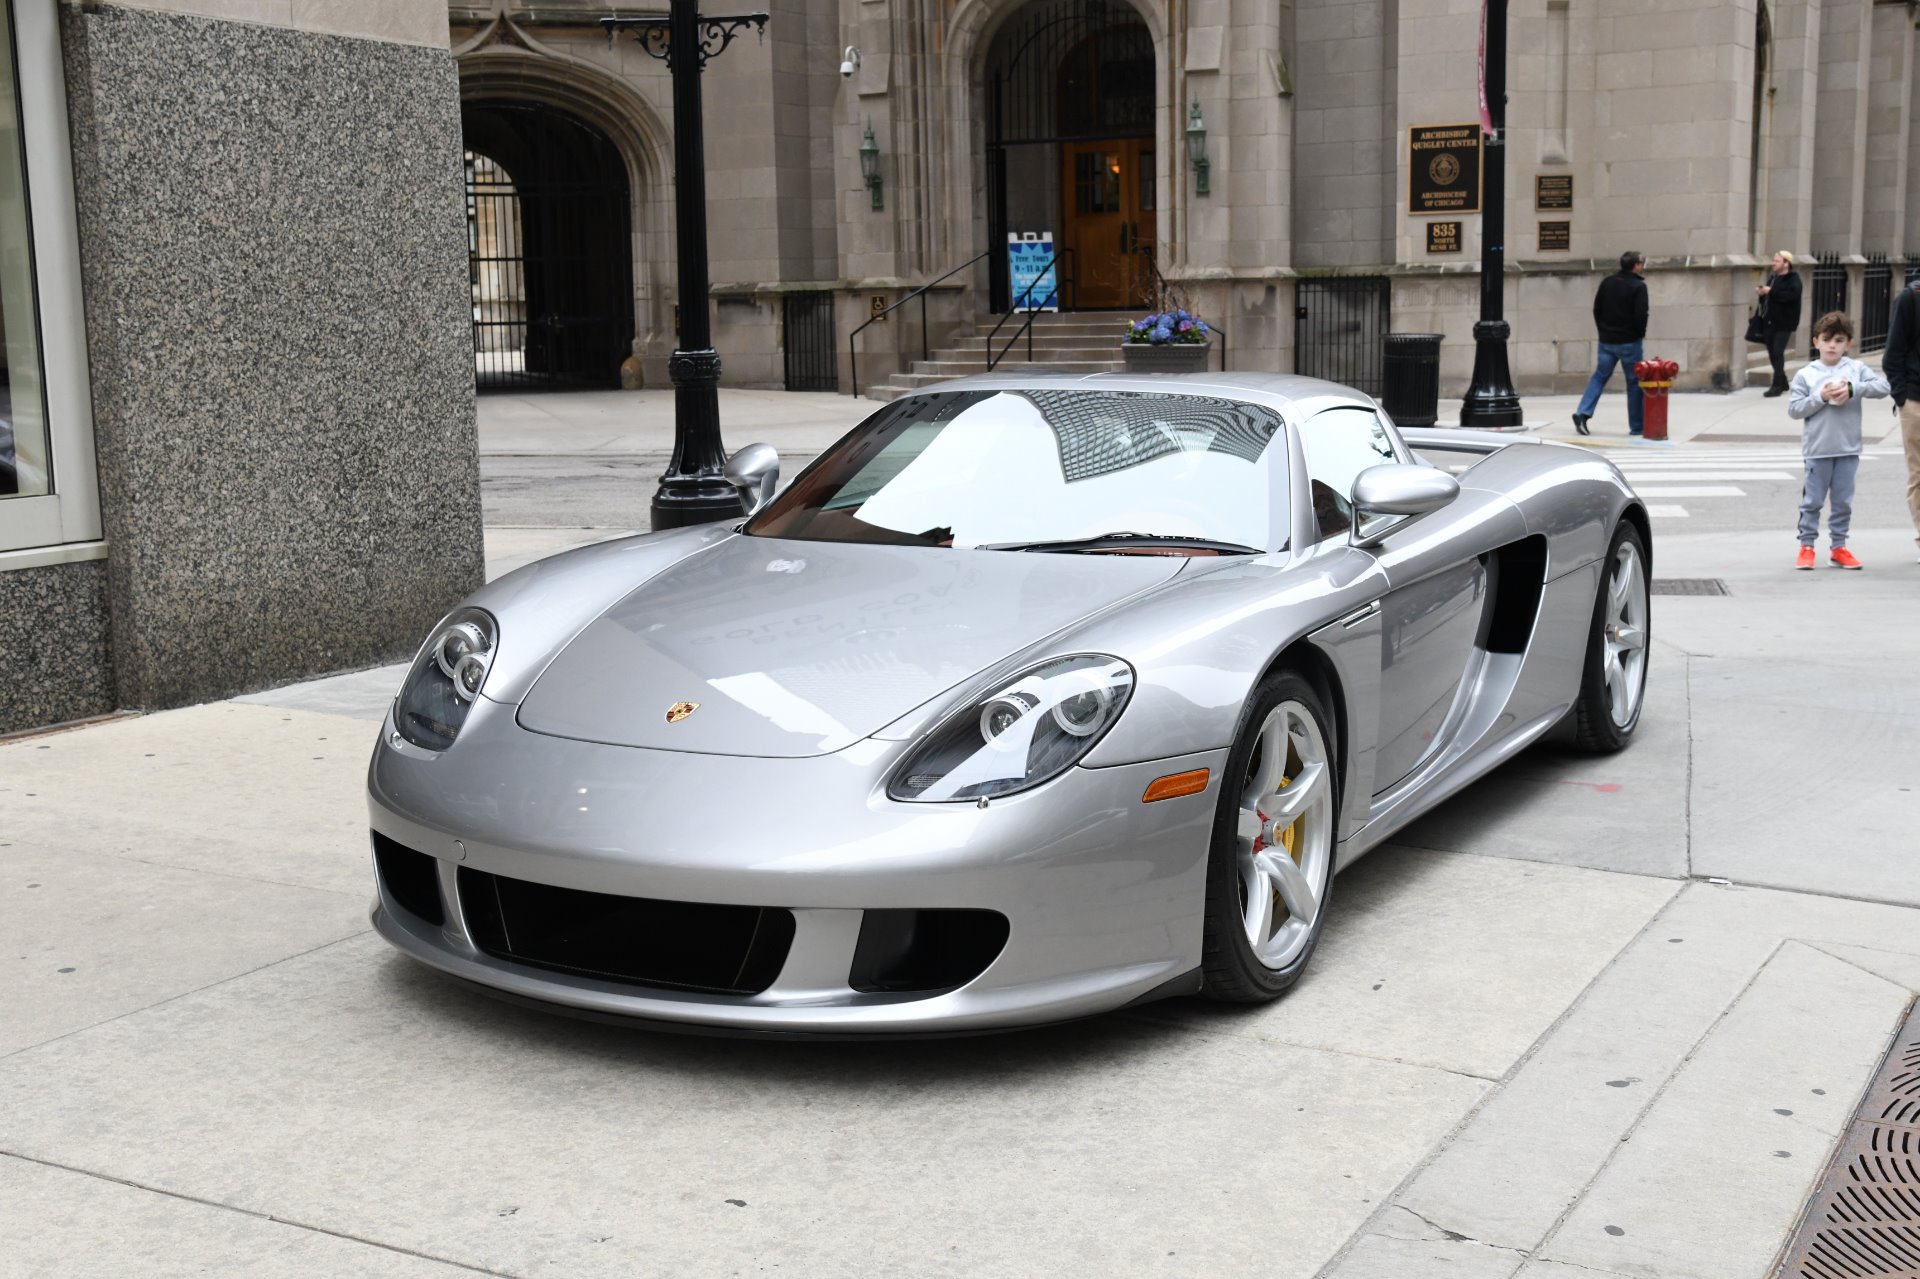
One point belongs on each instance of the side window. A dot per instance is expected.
(1340, 444)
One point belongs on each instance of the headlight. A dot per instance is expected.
(1032, 729)
(446, 677)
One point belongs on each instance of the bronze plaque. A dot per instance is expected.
(1556, 237)
(1443, 169)
(1443, 237)
(1552, 192)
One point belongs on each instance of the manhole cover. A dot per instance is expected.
(1864, 1220)
(1689, 586)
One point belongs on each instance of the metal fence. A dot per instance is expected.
(807, 334)
(1337, 329)
(1876, 303)
(1829, 292)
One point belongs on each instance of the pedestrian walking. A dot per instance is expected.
(1620, 317)
(1779, 315)
(1826, 396)
(1902, 365)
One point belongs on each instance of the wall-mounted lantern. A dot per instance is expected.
(1197, 148)
(870, 167)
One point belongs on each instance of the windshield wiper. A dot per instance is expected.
(1122, 538)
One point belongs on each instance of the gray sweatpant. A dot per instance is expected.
(1829, 483)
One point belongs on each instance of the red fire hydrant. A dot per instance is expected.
(1656, 379)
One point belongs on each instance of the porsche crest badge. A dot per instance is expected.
(680, 710)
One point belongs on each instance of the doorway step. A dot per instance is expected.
(1063, 342)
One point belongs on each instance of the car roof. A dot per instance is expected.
(1277, 390)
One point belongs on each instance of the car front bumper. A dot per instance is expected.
(1101, 892)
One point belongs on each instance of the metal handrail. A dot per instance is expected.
(1160, 293)
(1026, 295)
(853, 356)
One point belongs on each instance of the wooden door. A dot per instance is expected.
(1108, 191)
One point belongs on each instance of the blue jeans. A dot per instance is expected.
(1829, 481)
(1612, 353)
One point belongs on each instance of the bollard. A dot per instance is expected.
(1656, 379)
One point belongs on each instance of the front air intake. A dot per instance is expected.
(726, 950)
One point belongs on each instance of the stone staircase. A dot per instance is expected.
(1069, 342)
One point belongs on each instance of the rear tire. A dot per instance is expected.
(1271, 866)
(1613, 680)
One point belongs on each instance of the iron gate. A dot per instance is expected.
(1829, 293)
(1338, 329)
(807, 334)
(1876, 303)
(550, 249)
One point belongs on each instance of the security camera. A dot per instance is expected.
(849, 62)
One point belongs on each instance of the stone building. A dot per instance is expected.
(236, 402)
(1705, 133)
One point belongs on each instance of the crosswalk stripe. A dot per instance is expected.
(1637, 476)
(1690, 490)
(1658, 512)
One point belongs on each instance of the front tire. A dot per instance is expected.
(1614, 679)
(1272, 860)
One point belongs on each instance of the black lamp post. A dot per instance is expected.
(1491, 400)
(694, 489)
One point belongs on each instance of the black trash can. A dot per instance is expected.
(1410, 368)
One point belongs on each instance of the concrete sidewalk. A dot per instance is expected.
(1594, 1016)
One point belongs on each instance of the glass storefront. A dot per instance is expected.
(23, 421)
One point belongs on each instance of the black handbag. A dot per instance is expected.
(1757, 326)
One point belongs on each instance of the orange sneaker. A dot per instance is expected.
(1843, 558)
(1806, 558)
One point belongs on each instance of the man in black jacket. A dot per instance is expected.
(1901, 364)
(1780, 308)
(1620, 316)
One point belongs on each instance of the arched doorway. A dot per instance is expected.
(550, 248)
(1070, 150)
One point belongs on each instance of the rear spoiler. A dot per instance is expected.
(1464, 440)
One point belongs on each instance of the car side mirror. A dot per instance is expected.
(754, 470)
(1385, 496)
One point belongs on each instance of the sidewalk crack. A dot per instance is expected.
(1452, 1236)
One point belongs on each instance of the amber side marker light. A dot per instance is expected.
(1176, 784)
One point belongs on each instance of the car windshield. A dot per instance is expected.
(1067, 470)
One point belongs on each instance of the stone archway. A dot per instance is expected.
(503, 65)
(975, 207)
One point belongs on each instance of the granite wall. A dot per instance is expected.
(273, 251)
(54, 660)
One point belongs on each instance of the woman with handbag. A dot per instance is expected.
(1777, 317)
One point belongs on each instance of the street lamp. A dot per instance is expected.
(870, 167)
(694, 489)
(1491, 399)
(1197, 148)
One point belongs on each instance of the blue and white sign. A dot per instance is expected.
(1030, 265)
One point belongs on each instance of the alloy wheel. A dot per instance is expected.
(1284, 847)
(1624, 640)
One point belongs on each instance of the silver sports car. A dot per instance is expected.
(1029, 699)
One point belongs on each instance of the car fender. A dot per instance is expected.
(542, 606)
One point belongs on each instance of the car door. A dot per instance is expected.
(1430, 615)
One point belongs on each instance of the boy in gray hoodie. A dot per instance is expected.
(1826, 396)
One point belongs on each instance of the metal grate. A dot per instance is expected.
(1689, 586)
(1338, 328)
(1864, 1219)
(1876, 303)
(1829, 292)
(807, 334)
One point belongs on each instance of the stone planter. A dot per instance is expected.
(1170, 357)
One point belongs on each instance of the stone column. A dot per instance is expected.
(273, 251)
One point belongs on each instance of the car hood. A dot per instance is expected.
(788, 648)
